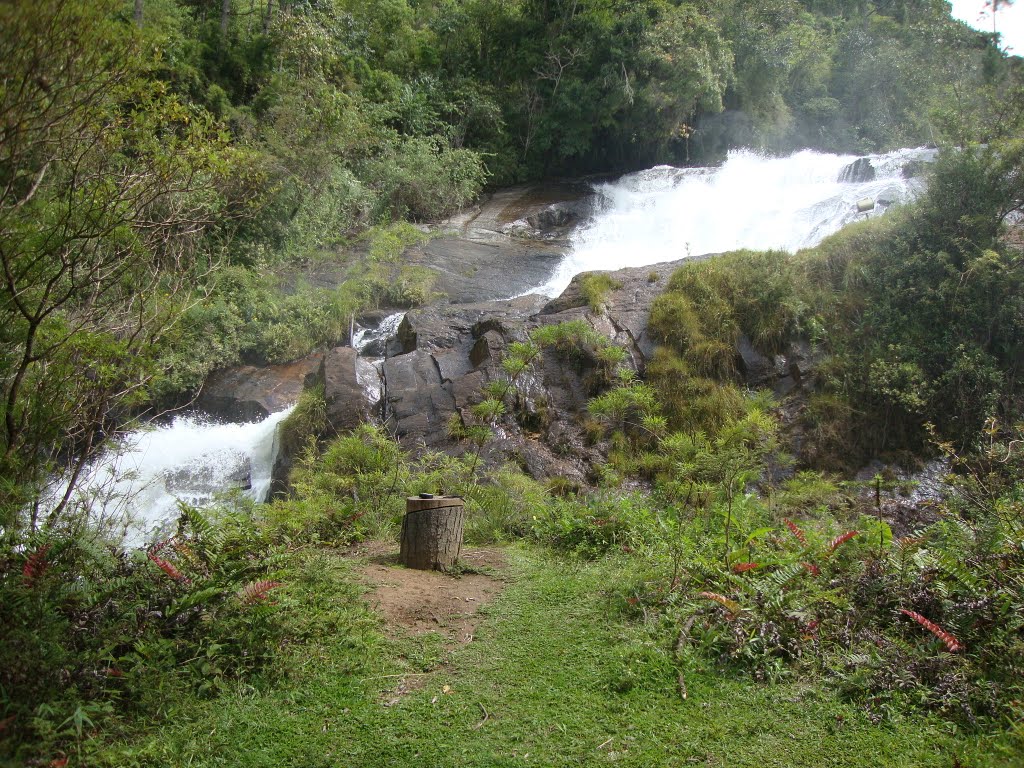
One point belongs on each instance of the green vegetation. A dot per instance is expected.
(175, 173)
(605, 691)
(918, 315)
(700, 586)
(596, 287)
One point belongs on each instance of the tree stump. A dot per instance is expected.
(432, 532)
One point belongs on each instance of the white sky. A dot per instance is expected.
(1009, 21)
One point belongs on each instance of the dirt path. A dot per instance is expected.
(415, 602)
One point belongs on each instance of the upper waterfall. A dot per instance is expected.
(750, 201)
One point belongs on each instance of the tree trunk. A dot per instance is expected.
(138, 13)
(432, 533)
(225, 15)
(267, 18)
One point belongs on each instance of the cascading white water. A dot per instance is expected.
(371, 344)
(364, 338)
(751, 201)
(135, 486)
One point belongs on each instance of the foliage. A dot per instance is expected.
(163, 181)
(108, 186)
(596, 287)
(561, 645)
(425, 179)
(307, 421)
(916, 318)
(596, 526)
(92, 630)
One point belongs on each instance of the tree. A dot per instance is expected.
(995, 6)
(107, 186)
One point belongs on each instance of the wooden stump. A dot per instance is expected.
(432, 532)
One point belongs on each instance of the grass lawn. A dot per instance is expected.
(554, 677)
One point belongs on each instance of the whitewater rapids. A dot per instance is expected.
(134, 487)
(750, 201)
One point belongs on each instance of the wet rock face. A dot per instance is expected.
(344, 396)
(443, 355)
(627, 308)
(417, 401)
(251, 393)
(473, 270)
(555, 217)
(447, 353)
(859, 171)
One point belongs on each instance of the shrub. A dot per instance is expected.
(91, 629)
(595, 287)
(598, 525)
(425, 179)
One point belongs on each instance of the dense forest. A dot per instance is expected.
(168, 166)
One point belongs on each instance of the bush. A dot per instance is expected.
(502, 506)
(91, 629)
(425, 179)
(592, 527)
(596, 286)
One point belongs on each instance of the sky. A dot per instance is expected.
(1009, 21)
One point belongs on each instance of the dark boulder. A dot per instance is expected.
(859, 171)
(251, 393)
(418, 403)
(757, 369)
(347, 405)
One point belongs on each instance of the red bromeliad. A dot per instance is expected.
(952, 644)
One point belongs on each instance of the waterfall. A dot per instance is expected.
(371, 344)
(134, 486)
(751, 201)
(661, 214)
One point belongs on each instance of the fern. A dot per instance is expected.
(731, 606)
(35, 565)
(167, 567)
(952, 644)
(780, 578)
(744, 567)
(194, 599)
(838, 541)
(257, 591)
(796, 531)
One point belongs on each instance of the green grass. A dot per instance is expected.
(563, 679)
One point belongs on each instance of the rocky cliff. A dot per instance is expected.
(433, 367)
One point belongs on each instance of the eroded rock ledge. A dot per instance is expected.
(443, 355)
